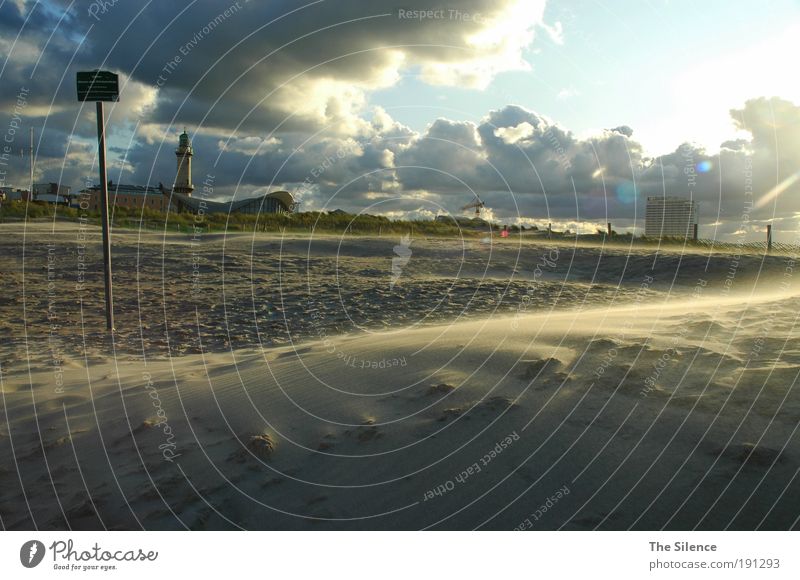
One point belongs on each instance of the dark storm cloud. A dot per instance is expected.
(447, 158)
(276, 96)
(259, 58)
(529, 162)
(524, 162)
(238, 67)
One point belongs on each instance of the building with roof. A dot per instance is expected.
(44, 192)
(670, 217)
(51, 193)
(273, 202)
(8, 193)
(135, 197)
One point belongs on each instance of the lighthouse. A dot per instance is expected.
(183, 179)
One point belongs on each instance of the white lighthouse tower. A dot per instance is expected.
(183, 179)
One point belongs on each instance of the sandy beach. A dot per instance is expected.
(275, 381)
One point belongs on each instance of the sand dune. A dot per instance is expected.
(640, 401)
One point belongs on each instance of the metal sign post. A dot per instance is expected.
(101, 147)
(102, 86)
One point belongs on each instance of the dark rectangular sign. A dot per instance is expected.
(98, 85)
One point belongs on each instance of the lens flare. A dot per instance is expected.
(626, 192)
(704, 166)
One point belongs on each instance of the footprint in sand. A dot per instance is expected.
(328, 442)
(293, 352)
(450, 413)
(59, 442)
(533, 368)
(751, 455)
(366, 432)
(262, 446)
(483, 409)
(440, 389)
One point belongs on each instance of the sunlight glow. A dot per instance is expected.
(778, 189)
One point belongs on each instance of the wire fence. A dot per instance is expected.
(747, 247)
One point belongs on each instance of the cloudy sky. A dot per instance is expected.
(571, 112)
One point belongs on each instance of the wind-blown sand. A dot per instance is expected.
(495, 386)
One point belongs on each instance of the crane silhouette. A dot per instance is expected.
(477, 203)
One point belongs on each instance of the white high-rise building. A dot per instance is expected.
(670, 216)
(183, 179)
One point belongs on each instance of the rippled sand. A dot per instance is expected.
(286, 382)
